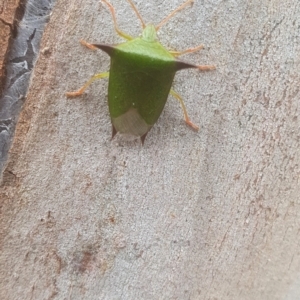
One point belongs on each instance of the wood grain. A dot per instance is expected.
(8, 9)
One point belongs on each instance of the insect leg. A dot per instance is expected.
(190, 50)
(173, 13)
(186, 117)
(113, 14)
(88, 45)
(82, 89)
(206, 67)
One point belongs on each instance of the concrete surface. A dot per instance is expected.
(207, 215)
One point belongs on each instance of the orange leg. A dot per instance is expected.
(88, 45)
(190, 50)
(206, 67)
(186, 117)
(82, 89)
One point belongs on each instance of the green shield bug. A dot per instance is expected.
(140, 77)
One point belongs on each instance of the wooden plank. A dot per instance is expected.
(208, 215)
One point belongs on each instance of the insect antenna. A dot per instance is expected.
(167, 18)
(137, 13)
(113, 14)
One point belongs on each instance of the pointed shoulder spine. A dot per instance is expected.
(184, 65)
(109, 49)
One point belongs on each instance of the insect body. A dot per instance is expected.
(140, 78)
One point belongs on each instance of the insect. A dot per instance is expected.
(140, 77)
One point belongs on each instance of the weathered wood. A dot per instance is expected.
(208, 215)
(7, 14)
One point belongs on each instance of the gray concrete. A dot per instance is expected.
(207, 215)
